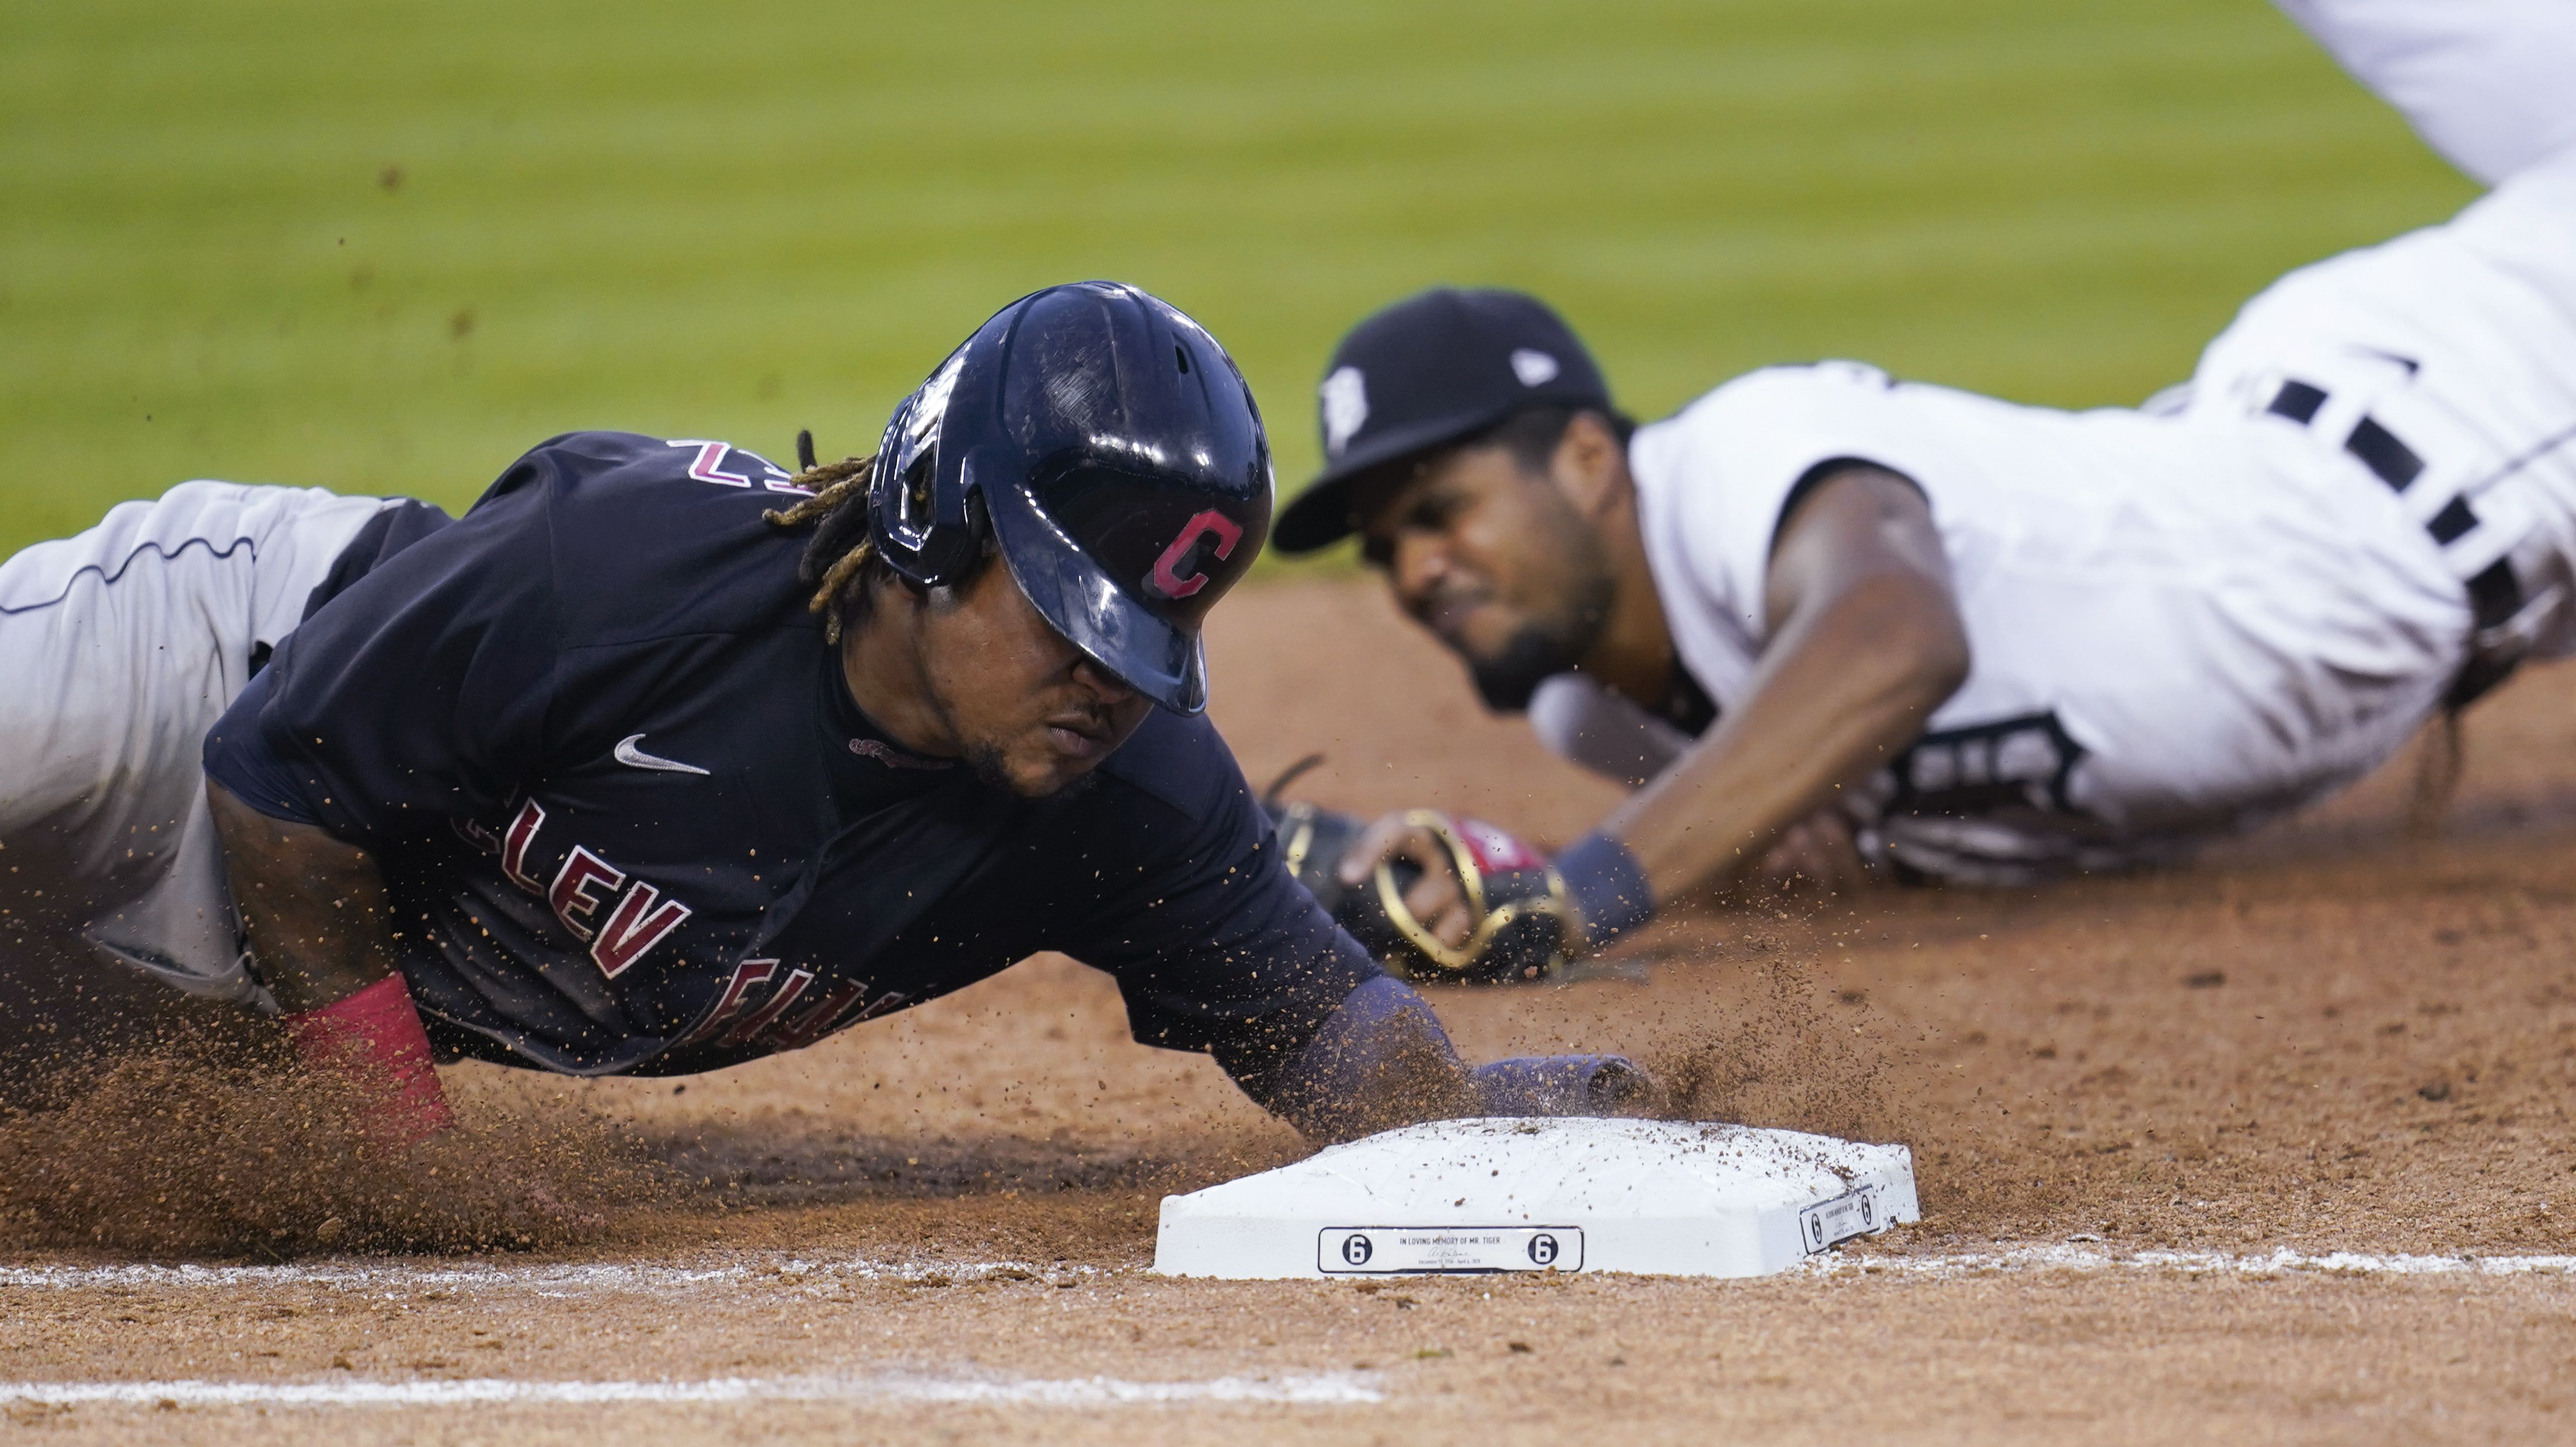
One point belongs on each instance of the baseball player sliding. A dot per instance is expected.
(1824, 612)
(663, 757)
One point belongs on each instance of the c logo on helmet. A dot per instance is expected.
(1168, 580)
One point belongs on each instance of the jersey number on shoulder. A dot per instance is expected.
(709, 466)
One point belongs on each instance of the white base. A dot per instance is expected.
(1500, 1194)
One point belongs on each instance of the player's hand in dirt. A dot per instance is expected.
(1816, 855)
(1568, 1085)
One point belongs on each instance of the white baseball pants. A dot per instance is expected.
(2491, 84)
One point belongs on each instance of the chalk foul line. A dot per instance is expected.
(543, 1277)
(893, 1388)
(2078, 1257)
(811, 1274)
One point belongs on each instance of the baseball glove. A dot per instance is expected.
(1526, 927)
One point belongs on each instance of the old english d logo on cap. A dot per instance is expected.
(1345, 401)
(1425, 372)
(1534, 367)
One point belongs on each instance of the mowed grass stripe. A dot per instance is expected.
(732, 222)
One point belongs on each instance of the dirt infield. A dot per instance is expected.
(2147, 1115)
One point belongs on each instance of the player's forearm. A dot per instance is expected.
(315, 909)
(1382, 1060)
(1839, 693)
(321, 936)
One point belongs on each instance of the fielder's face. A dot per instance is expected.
(1030, 711)
(1497, 562)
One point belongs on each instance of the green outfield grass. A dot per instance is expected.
(386, 246)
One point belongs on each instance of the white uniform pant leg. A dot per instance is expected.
(120, 647)
(2490, 84)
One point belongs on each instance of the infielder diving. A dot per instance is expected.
(664, 757)
(1826, 611)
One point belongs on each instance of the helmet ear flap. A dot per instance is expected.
(922, 506)
(904, 516)
(979, 529)
(931, 553)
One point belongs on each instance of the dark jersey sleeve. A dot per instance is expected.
(1213, 944)
(419, 694)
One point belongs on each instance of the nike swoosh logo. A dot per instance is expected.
(634, 758)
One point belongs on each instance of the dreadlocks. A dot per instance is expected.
(839, 550)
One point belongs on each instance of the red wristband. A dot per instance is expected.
(375, 1037)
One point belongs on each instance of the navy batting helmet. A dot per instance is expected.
(1112, 450)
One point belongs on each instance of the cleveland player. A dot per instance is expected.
(663, 758)
(1825, 612)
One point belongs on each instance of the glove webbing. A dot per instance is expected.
(1490, 921)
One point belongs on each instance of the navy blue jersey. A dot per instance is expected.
(632, 820)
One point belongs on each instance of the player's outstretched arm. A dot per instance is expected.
(1866, 641)
(320, 930)
(1216, 947)
(1382, 1060)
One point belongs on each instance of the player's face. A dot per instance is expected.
(1030, 711)
(1498, 563)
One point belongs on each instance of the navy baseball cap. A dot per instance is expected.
(1436, 367)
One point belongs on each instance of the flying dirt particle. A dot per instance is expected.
(214, 1143)
(2435, 1090)
(390, 178)
(461, 325)
(1785, 1062)
(2205, 980)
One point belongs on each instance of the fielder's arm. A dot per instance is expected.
(1866, 641)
